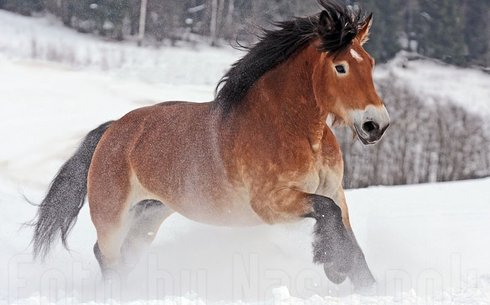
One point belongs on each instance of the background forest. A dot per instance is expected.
(455, 31)
(436, 138)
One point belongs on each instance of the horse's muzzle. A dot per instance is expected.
(370, 132)
(371, 126)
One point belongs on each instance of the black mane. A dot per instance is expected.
(336, 26)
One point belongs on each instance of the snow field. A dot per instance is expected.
(426, 244)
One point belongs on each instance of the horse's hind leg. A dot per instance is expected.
(109, 196)
(111, 233)
(147, 217)
(120, 244)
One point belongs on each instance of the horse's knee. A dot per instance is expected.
(325, 207)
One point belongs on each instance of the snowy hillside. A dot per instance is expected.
(426, 244)
(45, 39)
(466, 87)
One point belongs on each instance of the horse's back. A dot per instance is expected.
(176, 143)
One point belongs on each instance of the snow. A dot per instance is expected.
(45, 39)
(469, 88)
(426, 244)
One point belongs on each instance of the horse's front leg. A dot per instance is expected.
(360, 275)
(334, 245)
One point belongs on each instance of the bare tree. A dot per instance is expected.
(214, 22)
(142, 24)
(229, 18)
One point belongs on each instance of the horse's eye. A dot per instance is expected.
(340, 69)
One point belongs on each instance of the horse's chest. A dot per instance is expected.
(330, 180)
(325, 173)
(323, 179)
(329, 168)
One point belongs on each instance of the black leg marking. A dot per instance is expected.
(100, 259)
(147, 217)
(333, 246)
(360, 275)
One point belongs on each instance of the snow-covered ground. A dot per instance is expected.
(426, 244)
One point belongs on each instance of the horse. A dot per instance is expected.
(263, 152)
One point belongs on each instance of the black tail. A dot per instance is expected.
(58, 212)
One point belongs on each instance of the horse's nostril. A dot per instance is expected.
(370, 126)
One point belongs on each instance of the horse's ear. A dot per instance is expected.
(324, 22)
(363, 34)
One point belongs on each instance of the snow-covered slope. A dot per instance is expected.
(426, 244)
(46, 39)
(433, 80)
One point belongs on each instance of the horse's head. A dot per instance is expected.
(343, 78)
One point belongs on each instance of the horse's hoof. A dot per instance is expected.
(369, 290)
(362, 280)
(333, 275)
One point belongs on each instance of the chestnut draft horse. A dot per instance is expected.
(261, 152)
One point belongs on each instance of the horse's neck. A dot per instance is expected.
(284, 98)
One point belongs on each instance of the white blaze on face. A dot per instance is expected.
(356, 55)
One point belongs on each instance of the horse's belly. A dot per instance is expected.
(228, 210)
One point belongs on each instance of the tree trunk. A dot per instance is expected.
(219, 18)
(229, 18)
(213, 23)
(142, 25)
(487, 55)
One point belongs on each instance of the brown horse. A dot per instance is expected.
(262, 152)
